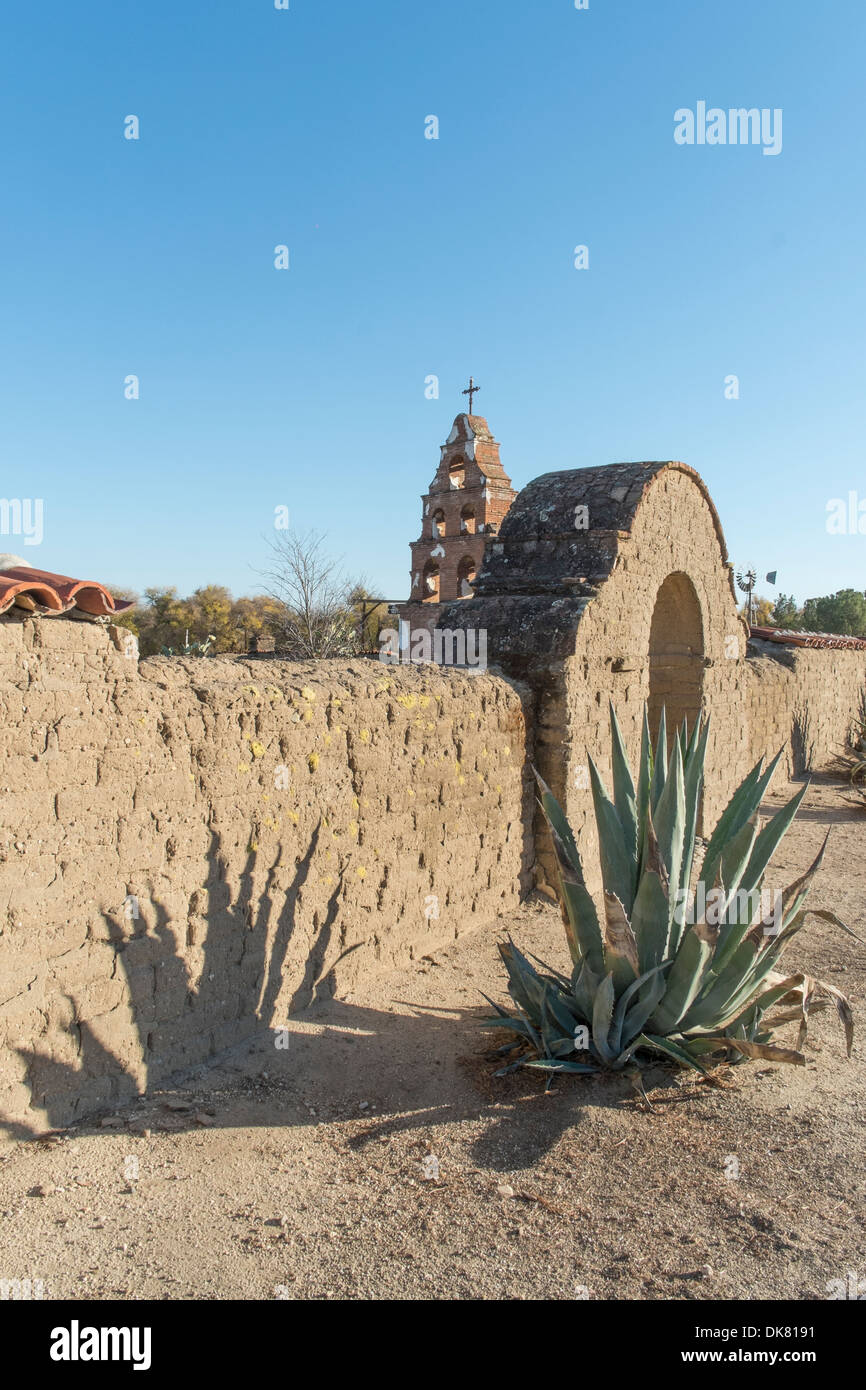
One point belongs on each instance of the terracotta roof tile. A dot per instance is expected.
(57, 593)
(791, 638)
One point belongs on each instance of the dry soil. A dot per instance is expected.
(310, 1171)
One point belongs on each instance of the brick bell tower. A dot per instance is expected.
(466, 503)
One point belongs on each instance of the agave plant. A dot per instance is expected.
(853, 758)
(684, 974)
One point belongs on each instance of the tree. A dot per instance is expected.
(318, 615)
(163, 619)
(843, 612)
(786, 614)
(370, 616)
(208, 611)
(255, 616)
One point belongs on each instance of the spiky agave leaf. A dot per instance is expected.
(685, 977)
(602, 1018)
(583, 931)
(742, 806)
(624, 794)
(618, 867)
(693, 764)
(651, 914)
(642, 994)
(644, 782)
(660, 762)
(669, 818)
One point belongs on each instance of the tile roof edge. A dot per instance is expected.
(56, 594)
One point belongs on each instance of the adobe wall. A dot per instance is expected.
(802, 700)
(283, 828)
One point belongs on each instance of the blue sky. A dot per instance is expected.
(410, 257)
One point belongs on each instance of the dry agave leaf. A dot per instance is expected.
(843, 1009)
(768, 1051)
(794, 1015)
(723, 1078)
(827, 916)
(618, 935)
(805, 994)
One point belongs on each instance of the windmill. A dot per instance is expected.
(747, 583)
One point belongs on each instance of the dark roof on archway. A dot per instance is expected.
(540, 550)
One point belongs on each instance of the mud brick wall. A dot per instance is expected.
(192, 849)
(803, 701)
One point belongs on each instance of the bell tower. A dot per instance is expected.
(466, 502)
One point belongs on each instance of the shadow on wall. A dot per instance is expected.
(802, 743)
(235, 998)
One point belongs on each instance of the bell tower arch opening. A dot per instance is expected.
(430, 584)
(676, 655)
(466, 576)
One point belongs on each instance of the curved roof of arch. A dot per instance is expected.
(541, 548)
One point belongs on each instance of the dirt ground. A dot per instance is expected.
(307, 1172)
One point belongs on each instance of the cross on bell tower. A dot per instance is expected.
(470, 392)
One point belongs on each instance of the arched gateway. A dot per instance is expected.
(676, 655)
(614, 583)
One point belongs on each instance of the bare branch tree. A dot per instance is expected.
(315, 595)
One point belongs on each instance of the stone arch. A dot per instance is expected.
(587, 558)
(437, 524)
(467, 520)
(676, 654)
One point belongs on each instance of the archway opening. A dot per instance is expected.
(465, 576)
(437, 523)
(676, 655)
(430, 583)
(457, 474)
